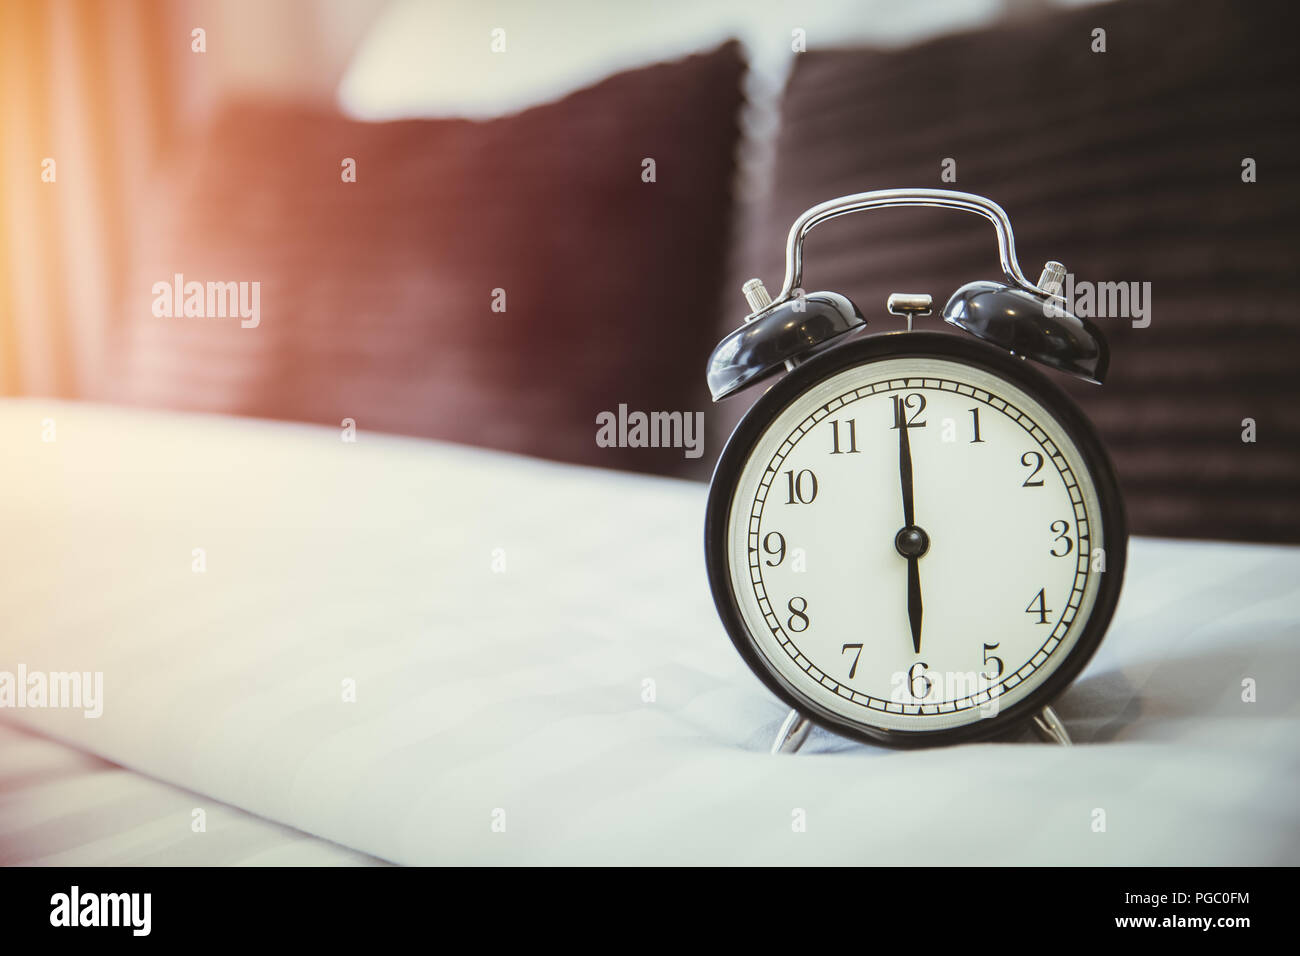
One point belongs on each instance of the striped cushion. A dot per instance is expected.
(377, 296)
(1125, 166)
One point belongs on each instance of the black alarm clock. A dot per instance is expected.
(913, 537)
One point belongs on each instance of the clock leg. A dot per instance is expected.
(796, 727)
(1050, 728)
(794, 731)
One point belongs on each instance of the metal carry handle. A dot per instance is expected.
(879, 199)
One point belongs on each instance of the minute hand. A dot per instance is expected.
(905, 474)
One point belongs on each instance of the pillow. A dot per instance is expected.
(424, 58)
(497, 283)
(1126, 166)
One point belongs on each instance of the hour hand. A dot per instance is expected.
(914, 601)
(912, 543)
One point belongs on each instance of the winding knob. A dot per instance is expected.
(1052, 281)
(756, 295)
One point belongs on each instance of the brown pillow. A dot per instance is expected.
(376, 296)
(1125, 165)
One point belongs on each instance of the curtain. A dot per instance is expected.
(106, 90)
(86, 103)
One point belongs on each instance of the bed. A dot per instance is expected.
(399, 650)
(60, 806)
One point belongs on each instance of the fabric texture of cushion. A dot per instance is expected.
(1125, 165)
(377, 296)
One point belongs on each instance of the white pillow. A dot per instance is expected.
(434, 58)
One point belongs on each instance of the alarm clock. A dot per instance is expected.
(914, 537)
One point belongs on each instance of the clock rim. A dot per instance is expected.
(919, 344)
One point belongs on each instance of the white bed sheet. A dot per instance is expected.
(62, 807)
(520, 696)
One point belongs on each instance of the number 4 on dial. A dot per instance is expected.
(1039, 606)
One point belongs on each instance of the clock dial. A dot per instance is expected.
(914, 544)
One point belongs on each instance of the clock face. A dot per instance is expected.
(915, 543)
